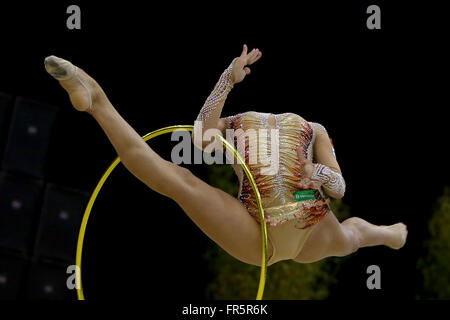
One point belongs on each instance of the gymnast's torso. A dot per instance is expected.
(277, 177)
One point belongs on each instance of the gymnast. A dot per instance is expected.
(304, 230)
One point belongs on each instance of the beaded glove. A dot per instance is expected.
(330, 179)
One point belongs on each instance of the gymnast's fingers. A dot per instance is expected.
(254, 57)
(244, 51)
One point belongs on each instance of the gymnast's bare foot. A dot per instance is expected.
(399, 234)
(83, 91)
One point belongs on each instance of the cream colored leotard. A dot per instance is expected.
(289, 222)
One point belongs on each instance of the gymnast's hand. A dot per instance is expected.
(240, 69)
(306, 171)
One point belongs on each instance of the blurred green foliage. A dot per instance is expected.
(435, 265)
(286, 280)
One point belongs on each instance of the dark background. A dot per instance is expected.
(379, 93)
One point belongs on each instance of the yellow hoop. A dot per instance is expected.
(148, 136)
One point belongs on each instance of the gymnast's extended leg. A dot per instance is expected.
(333, 239)
(223, 218)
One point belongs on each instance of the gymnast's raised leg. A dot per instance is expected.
(223, 218)
(333, 239)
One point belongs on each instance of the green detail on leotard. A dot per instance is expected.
(304, 195)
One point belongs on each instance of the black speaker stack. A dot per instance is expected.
(39, 220)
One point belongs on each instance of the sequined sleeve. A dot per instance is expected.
(331, 180)
(212, 108)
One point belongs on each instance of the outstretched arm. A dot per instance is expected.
(209, 116)
(326, 171)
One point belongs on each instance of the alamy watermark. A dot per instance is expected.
(74, 20)
(256, 146)
(72, 282)
(374, 280)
